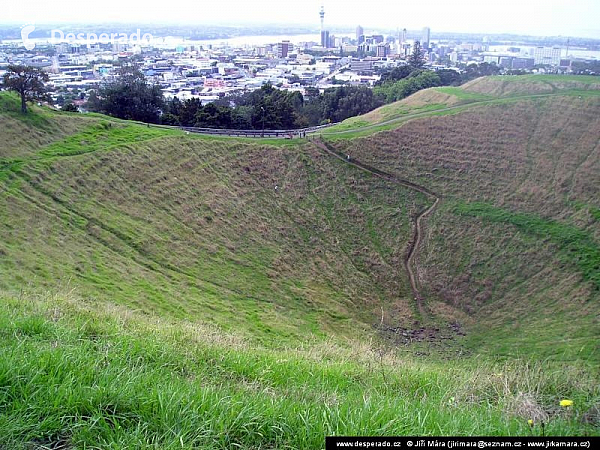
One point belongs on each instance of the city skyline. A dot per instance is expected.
(537, 17)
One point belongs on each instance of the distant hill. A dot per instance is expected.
(449, 100)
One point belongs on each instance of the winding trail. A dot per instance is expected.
(418, 233)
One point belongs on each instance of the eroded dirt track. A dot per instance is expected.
(418, 233)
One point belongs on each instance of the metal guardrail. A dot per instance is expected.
(290, 134)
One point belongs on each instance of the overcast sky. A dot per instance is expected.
(535, 17)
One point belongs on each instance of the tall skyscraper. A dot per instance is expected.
(426, 37)
(360, 35)
(325, 38)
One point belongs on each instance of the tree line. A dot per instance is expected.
(271, 108)
(130, 96)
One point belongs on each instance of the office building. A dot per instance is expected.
(426, 37)
(361, 66)
(547, 55)
(382, 50)
(325, 39)
(523, 63)
(360, 35)
(284, 48)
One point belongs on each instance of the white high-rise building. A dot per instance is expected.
(426, 37)
(360, 35)
(546, 55)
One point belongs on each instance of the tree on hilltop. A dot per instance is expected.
(28, 82)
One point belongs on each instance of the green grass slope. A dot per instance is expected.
(510, 85)
(515, 242)
(275, 241)
(23, 135)
(75, 375)
(451, 100)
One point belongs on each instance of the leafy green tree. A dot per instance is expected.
(449, 77)
(586, 67)
(397, 73)
(170, 119)
(312, 111)
(279, 109)
(93, 102)
(173, 106)
(241, 118)
(188, 111)
(273, 113)
(297, 100)
(131, 97)
(311, 92)
(472, 71)
(28, 82)
(391, 92)
(417, 59)
(343, 102)
(70, 107)
(214, 116)
(273, 107)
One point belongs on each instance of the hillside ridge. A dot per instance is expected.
(479, 92)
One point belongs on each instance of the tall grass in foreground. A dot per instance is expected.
(89, 376)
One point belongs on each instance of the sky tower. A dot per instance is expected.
(324, 32)
(322, 16)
